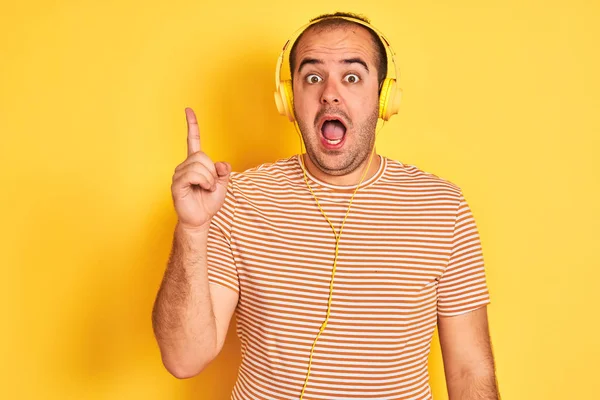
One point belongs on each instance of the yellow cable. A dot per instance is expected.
(337, 244)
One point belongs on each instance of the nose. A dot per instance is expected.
(330, 94)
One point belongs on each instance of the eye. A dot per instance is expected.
(312, 78)
(352, 78)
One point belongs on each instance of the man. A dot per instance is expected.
(339, 263)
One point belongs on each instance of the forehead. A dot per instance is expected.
(346, 39)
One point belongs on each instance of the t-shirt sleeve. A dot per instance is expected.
(221, 263)
(463, 287)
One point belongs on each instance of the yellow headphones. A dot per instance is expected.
(389, 97)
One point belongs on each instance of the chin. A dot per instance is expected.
(333, 163)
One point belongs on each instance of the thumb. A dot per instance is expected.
(223, 170)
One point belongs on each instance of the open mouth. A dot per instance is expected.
(333, 131)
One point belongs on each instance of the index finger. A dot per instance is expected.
(193, 137)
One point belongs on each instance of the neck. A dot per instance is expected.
(351, 179)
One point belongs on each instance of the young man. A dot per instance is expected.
(339, 262)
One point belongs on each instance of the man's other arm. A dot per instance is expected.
(468, 358)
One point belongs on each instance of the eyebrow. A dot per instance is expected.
(315, 61)
(308, 61)
(356, 60)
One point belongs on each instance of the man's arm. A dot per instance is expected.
(468, 358)
(190, 316)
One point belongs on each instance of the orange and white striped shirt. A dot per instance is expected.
(409, 251)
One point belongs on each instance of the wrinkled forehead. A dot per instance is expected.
(332, 41)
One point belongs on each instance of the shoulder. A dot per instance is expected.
(411, 177)
(275, 174)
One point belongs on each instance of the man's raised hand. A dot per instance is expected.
(199, 185)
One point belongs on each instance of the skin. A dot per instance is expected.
(467, 355)
(191, 317)
(332, 85)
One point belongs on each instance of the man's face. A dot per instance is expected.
(336, 96)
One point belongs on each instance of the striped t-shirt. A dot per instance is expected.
(409, 251)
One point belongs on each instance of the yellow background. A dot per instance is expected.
(500, 97)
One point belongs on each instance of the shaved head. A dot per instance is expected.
(328, 22)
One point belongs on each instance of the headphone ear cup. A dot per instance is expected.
(284, 99)
(389, 99)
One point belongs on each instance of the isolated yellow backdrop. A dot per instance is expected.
(500, 97)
